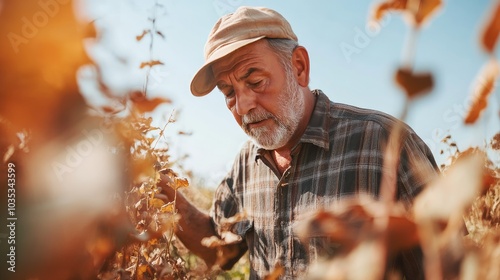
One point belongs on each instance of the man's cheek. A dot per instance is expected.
(237, 118)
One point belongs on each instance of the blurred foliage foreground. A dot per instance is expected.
(87, 196)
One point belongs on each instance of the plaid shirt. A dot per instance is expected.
(340, 154)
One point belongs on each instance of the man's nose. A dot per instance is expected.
(246, 100)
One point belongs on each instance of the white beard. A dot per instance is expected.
(291, 110)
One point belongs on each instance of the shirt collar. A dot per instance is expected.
(317, 132)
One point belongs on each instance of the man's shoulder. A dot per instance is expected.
(341, 114)
(349, 113)
(248, 151)
(331, 121)
(249, 147)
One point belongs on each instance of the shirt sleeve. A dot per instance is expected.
(225, 206)
(417, 167)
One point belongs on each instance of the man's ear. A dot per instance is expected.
(300, 62)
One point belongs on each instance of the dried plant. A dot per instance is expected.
(103, 215)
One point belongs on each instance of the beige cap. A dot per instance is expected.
(233, 31)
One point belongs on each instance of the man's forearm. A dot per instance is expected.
(193, 226)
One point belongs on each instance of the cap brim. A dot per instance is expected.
(203, 81)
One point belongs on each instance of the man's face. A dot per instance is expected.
(263, 95)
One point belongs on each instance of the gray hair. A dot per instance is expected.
(283, 49)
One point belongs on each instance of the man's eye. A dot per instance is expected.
(230, 99)
(229, 94)
(255, 84)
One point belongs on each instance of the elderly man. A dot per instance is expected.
(306, 152)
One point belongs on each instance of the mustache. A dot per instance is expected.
(256, 116)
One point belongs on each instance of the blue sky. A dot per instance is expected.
(448, 47)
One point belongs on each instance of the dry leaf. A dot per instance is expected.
(161, 34)
(418, 11)
(489, 37)
(227, 253)
(212, 242)
(402, 233)
(495, 142)
(326, 223)
(485, 85)
(357, 225)
(100, 247)
(144, 272)
(240, 216)
(181, 183)
(150, 63)
(489, 257)
(168, 222)
(439, 211)
(230, 238)
(168, 208)
(276, 273)
(464, 179)
(226, 238)
(425, 10)
(139, 37)
(143, 168)
(227, 247)
(355, 221)
(368, 255)
(383, 7)
(185, 133)
(414, 84)
(156, 203)
(89, 30)
(143, 104)
(112, 109)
